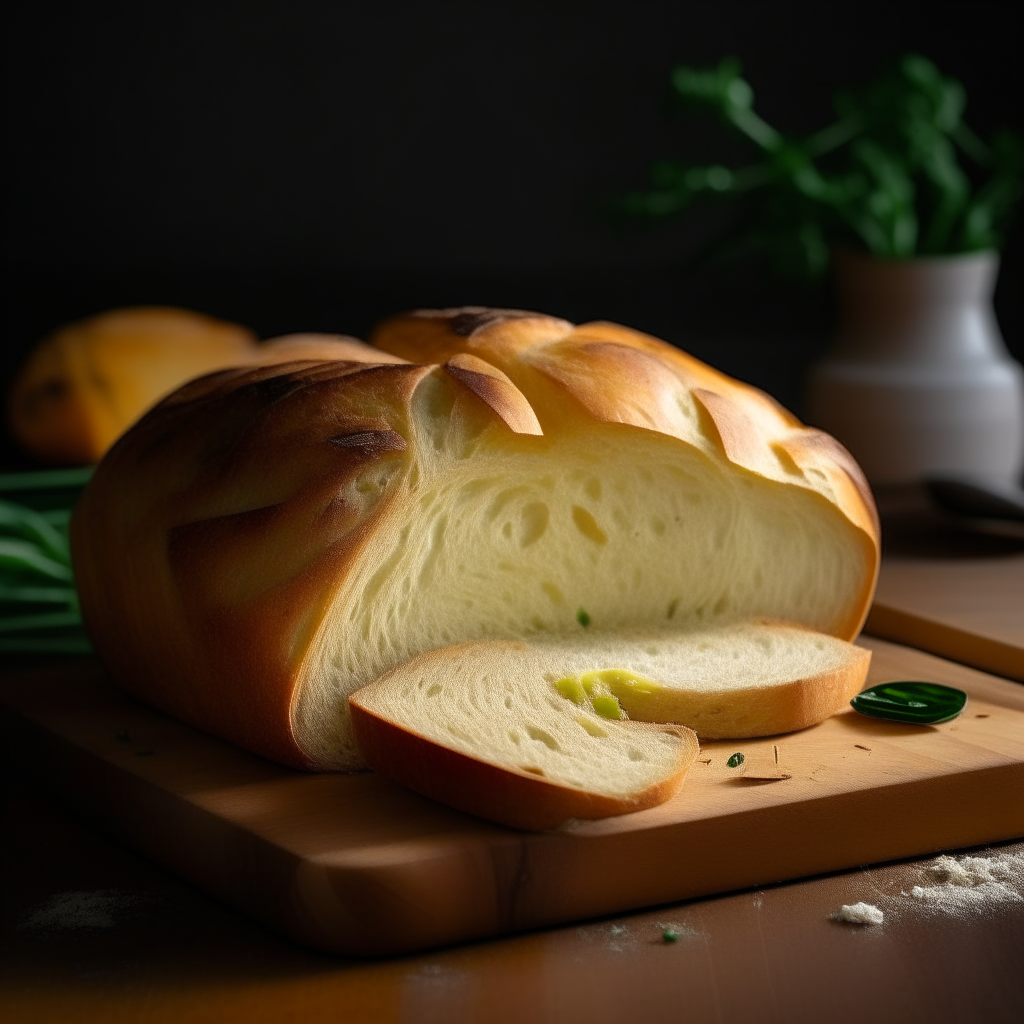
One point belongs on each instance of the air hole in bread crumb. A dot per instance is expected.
(542, 737)
(672, 606)
(513, 736)
(635, 755)
(434, 690)
(592, 728)
(508, 703)
(593, 488)
(533, 771)
(533, 523)
(587, 525)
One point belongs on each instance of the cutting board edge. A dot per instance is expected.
(887, 622)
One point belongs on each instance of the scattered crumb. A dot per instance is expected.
(98, 908)
(982, 716)
(704, 760)
(860, 913)
(860, 746)
(971, 883)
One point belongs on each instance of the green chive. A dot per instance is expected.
(912, 703)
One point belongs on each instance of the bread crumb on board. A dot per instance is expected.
(860, 913)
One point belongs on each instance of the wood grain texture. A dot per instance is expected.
(355, 864)
(970, 610)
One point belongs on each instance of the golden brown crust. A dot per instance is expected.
(318, 348)
(223, 570)
(494, 388)
(507, 796)
(766, 711)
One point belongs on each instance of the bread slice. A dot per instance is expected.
(730, 682)
(481, 727)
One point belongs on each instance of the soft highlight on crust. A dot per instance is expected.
(221, 537)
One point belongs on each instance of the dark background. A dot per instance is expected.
(316, 166)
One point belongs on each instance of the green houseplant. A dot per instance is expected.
(884, 177)
(909, 207)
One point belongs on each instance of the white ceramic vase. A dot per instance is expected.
(919, 382)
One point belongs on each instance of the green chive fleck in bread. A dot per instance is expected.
(270, 539)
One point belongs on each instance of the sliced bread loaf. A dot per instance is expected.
(271, 538)
(529, 734)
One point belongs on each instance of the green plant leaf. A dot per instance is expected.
(22, 556)
(884, 176)
(16, 520)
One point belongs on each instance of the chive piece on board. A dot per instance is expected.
(583, 618)
(913, 703)
(736, 760)
(669, 935)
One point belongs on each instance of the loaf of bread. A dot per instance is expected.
(85, 384)
(270, 539)
(530, 734)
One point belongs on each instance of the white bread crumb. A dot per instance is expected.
(860, 913)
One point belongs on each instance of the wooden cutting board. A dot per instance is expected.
(355, 864)
(967, 609)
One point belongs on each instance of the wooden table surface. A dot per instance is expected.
(93, 932)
